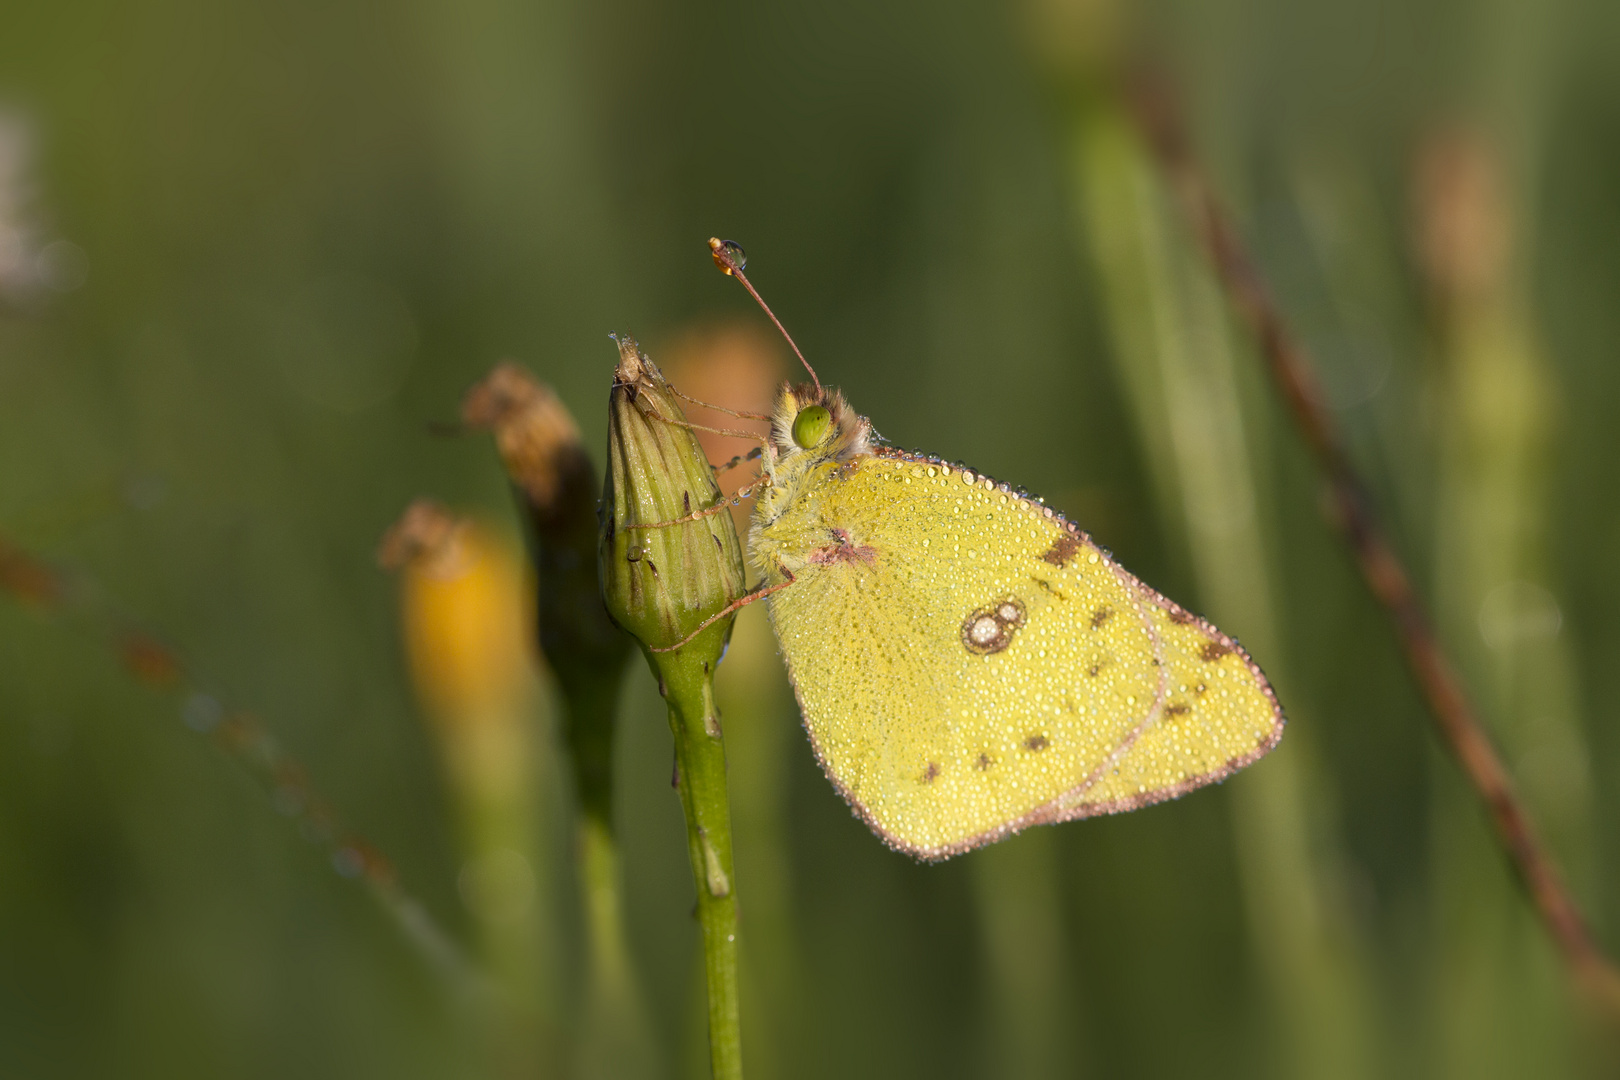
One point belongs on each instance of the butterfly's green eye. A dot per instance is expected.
(810, 427)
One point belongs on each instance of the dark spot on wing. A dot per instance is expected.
(1100, 616)
(1062, 549)
(1093, 669)
(1178, 709)
(686, 500)
(1214, 650)
(1037, 742)
(990, 629)
(1180, 617)
(984, 762)
(930, 772)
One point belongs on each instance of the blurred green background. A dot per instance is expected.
(249, 251)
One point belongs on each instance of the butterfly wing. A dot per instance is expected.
(968, 663)
(1219, 715)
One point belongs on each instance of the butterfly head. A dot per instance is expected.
(817, 422)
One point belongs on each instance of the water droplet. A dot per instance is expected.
(730, 257)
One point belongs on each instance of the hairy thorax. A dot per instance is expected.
(798, 529)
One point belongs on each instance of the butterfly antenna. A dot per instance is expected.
(731, 259)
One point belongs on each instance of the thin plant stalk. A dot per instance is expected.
(738, 366)
(463, 627)
(671, 572)
(700, 763)
(1455, 715)
(1175, 362)
(72, 597)
(556, 487)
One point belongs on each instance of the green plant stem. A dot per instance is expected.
(613, 1040)
(599, 871)
(556, 486)
(700, 764)
(590, 744)
(609, 956)
(682, 615)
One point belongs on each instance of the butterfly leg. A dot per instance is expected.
(752, 455)
(708, 511)
(751, 436)
(721, 408)
(736, 605)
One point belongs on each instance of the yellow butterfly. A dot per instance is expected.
(969, 663)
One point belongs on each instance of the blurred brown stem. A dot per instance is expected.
(241, 736)
(1157, 111)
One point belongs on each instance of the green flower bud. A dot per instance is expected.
(661, 584)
